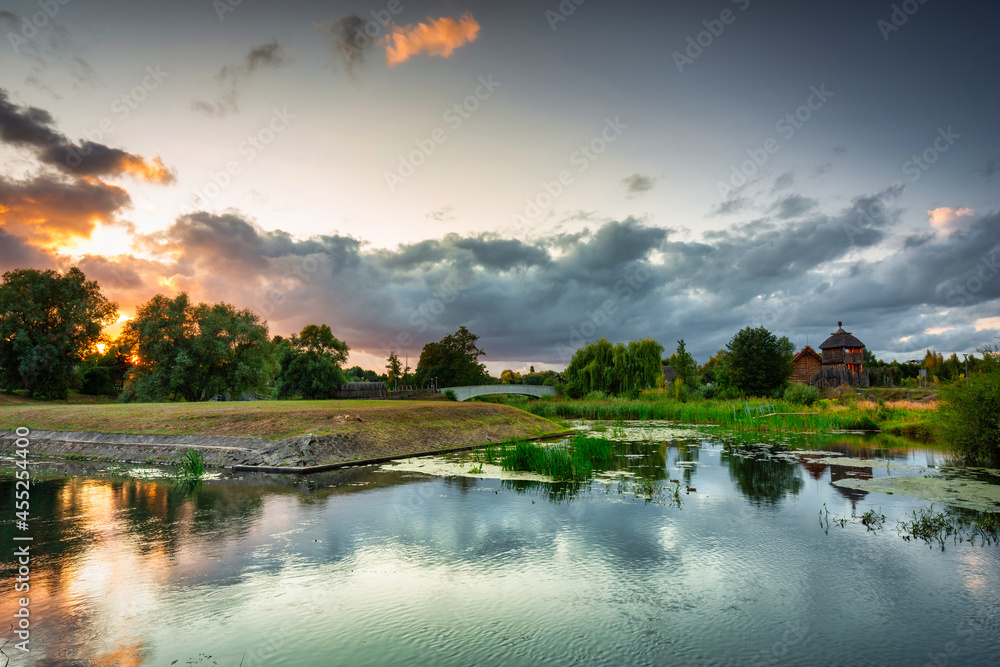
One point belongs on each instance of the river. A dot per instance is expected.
(753, 556)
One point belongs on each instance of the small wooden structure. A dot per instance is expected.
(805, 364)
(374, 390)
(843, 361)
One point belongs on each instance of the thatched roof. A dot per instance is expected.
(805, 353)
(841, 338)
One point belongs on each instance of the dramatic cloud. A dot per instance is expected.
(436, 37)
(32, 128)
(619, 279)
(539, 300)
(637, 184)
(948, 219)
(269, 55)
(50, 213)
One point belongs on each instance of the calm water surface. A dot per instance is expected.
(374, 567)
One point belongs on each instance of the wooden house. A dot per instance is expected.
(805, 364)
(843, 361)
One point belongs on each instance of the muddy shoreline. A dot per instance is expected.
(296, 455)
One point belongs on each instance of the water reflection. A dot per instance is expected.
(762, 477)
(365, 566)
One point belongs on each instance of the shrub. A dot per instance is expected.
(595, 396)
(801, 394)
(970, 416)
(450, 394)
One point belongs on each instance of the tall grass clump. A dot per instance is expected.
(191, 467)
(575, 461)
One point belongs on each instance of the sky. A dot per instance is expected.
(545, 173)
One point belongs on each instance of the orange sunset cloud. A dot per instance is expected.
(437, 37)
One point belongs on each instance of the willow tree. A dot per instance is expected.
(614, 369)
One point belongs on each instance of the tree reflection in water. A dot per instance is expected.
(760, 475)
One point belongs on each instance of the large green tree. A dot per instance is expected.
(684, 365)
(757, 362)
(454, 361)
(311, 364)
(614, 369)
(194, 352)
(48, 322)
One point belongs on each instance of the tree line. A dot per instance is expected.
(51, 341)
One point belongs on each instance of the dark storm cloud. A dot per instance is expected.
(348, 42)
(34, 128)
(268, 55)
(637, 184)
(623, 279)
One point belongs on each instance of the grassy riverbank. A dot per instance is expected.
(381, 428)
(912, 419)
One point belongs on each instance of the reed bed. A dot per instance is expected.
(899, 417)
(576, 460)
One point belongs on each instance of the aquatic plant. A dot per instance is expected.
(191, 466)
(477, 469)
(873, 520)
(930, 526)
(575, 461)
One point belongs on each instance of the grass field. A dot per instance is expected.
(385, 427)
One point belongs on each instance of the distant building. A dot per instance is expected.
(362, 390)
(805, 364)
(843, 361)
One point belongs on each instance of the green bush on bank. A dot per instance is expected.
(970, 416)
(801, 394)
